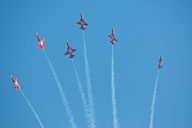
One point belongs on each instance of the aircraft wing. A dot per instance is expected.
(85, 23)
(79, 23)
(67, 53)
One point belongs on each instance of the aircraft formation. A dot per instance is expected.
(70, 50)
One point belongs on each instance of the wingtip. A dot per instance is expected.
(10, 75)
(36, 33)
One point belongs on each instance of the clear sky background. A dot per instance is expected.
(144, 30)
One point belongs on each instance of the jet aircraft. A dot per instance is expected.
(160, 62)
(82, 23)
(41, 45)
(70, 51)
(17, 86)
(112, 36)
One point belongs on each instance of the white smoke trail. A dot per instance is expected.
(114, 108)
(83, 98)
(62, 94)
(32, 110)
(89, 88)
(153, 101)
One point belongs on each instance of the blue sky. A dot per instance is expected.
(144, 30)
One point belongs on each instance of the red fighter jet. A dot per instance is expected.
(160, 62)
(70, 51)
(82, 23)
(41, 45)
(112, 36)
(17, 86)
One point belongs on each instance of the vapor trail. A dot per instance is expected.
(153, 101)
(114, 108)
(62, 94)
(40, 123)
(89, 88)
(83, 97)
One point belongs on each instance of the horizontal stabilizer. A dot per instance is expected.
(43, 47)
(83, 28)
(71, 56)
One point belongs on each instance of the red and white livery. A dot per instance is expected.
(112, 36)
(82, 23)
(17, 86)
(70, 51)
(41, 42)
(160, 62)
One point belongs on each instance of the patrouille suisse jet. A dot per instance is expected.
(160, 62)
(112, 36)
(70, 51)
(41, 45)
(17, 86)
(82, 23)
